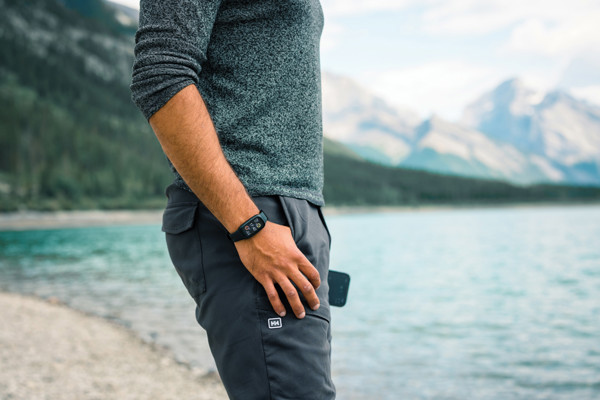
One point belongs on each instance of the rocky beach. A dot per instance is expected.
(50, 351)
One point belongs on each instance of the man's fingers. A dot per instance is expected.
(310, 272)
(307, 290)
(293, 297)
(274, 298)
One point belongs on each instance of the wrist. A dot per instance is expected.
(238, 218)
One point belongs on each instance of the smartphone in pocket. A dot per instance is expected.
(339, 283)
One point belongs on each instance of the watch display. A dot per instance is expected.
(250, 227)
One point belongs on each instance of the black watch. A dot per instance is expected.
(250, 227)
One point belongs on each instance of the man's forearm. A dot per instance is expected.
(185, 130)
(188, 137)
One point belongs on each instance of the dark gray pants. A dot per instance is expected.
(258, 354)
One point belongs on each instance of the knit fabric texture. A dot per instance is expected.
(256, 65)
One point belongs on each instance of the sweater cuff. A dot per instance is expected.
(150, 103)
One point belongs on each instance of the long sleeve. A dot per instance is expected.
(170, 47)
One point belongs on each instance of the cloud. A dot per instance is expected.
(476, 16)
(554, 24)
(332, 34)
(358, 7)
(589, 93)
(442, 87)
(564, 38)
(583, 70)
(582, 77)
(467, 17)
(541, 27)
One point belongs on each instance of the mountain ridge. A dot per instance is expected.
(541, 137)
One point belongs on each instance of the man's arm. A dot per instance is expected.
(185, 130)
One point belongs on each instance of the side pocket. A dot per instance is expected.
(184, 245)
(325, 224)
(288, 217)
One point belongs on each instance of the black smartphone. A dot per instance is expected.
(339, 283)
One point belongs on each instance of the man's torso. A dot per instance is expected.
(261, 84)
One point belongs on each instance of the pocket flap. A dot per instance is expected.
(178, 218)
(323, 312)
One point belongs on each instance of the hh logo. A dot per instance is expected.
(275, 323)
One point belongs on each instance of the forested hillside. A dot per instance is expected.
(351, 181)
(70, 137)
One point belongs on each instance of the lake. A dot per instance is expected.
(482, 303)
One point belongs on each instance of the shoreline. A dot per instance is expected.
(50, 350)
(42, 220)
(338, 210)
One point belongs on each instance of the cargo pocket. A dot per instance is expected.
(297, 355)
(184, 245)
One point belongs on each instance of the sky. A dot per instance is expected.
(437, 56)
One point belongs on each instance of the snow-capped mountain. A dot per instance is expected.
(513, 133)
(567, 129)
(364, 122)
(505, 113)
(447, 147)
(556, 127)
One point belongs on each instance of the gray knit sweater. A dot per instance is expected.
(256, 65)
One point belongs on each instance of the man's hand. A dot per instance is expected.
(187, 135)
(273, 258)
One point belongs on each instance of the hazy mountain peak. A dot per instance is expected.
(557, 96)
(512, 96)
(448, 147)
(505, 113)
(341, 93)
(364, 121)
(518, 96)
(555, 129)
(513, 84)
(436, 119)
(568, 129)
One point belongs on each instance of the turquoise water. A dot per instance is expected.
(450, 304)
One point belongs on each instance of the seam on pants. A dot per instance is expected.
(262, 339)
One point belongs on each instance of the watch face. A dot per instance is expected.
(253, 226)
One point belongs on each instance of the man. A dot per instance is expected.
(232, 90)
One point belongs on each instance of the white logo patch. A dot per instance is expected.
(275, 323)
